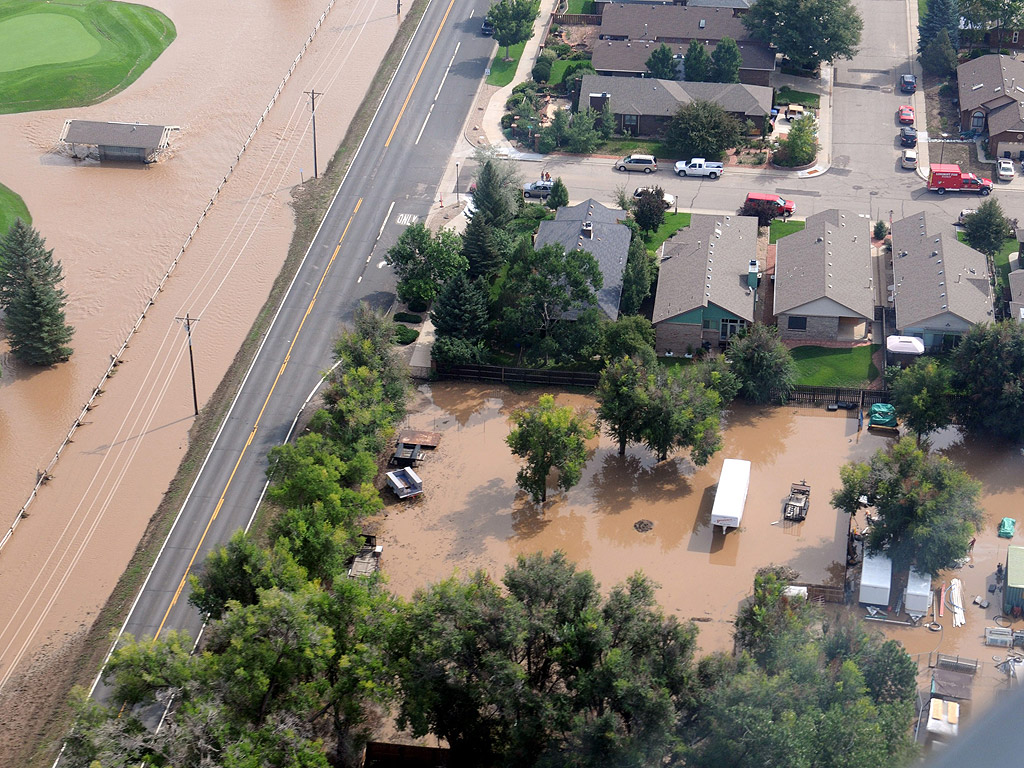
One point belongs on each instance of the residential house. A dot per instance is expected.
(707, 283)
(642, 27)
(643, 106)
(598, 230)
(991, 90)
(824, 287)
(1016, 281)
(736, 6)
(942, 286)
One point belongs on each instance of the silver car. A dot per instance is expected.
(537, 188)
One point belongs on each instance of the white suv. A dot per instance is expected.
(645, 163)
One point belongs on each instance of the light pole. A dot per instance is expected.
(456, 183)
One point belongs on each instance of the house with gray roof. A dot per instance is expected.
(991, 91)
(642, 106)
(824, 287)
(942, 286)
(1016, 281)
(592, 227)
(707, 283)
(736, 6)
(628, 58)
(644, 25)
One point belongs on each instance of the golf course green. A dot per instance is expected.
(77, 53)
(11, 207)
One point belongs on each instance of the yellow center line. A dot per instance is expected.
(417, 79)
(252, 434)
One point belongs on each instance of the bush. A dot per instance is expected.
(559, 50)
(581, 56)
(542, 70)
(405, 335)
(418, 305)
(881, 229)
(506, 121)
(406, 317)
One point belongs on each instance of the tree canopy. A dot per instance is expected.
(697, 63)
(926, 507)
(939, 16)
(726, 60)
(660, 64)
(649, 209)
(807, 32)
(800, 146)
(702, 129)
(425, 262)
(559, 196)
(939, 57)
(763, 364)
(988, 372)
(513, 21)
(987, 229)
(921, 395)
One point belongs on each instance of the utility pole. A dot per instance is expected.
(312, 96)
(456, 183)
(191, 361)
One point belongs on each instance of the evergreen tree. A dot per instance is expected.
(491, 197)
(37, 331)
(461, 310)
(484, 246)
(606, 120)
(636, 279)
(938, 57)
(939, 15)
(725, 61)
(697, 63)
(582, 137)
(559, 196)
(22, 254)
(987, 229)
(661, 64)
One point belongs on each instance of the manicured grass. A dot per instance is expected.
(624, 145)
(673, 223)
(581, 6)
(823, 367)
(503, 71)
(786, 95)
(558, 68)
(76, 53)
(781, 228)
(11, 207)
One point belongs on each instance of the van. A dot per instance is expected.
(645, 163)
(784, 207)
(793, 111)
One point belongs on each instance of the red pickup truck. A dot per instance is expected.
(947, 177)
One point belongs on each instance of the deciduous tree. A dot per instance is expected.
(697, 63)
(628, 336)
(725, 61)
(549, 437)
(513, 21)
(702, 129)
(987, 229)
(800, 146)
(680, 413)
(649, 209)
(622, 393)
(921, 395)
(661, 64)
(763, 364)
(425, 262)
(988, 371)
(808, 32)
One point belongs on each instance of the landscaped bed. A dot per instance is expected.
(840, 367)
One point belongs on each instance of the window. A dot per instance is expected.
(730, 328)
(707, 325)
(797, 323)
(629, 119)
(1015, 36)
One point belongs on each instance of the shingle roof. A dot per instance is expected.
(115, 134)
(632, 56)
(650, 96)
(707, 263)
(652, 22)
(937, 274)
(830, 258)
(988, 78)
(741, 5)
(609, 245)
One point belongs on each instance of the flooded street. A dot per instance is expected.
(117, 228)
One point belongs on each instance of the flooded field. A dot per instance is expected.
(116, 228)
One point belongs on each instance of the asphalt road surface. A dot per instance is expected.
(391, 183)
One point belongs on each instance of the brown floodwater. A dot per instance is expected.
(116, 228)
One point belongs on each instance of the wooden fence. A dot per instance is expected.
(834, 395)
(501, 375)
(823, 593)
(576, 19)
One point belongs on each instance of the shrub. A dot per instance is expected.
(406, 317)
(542, 70)
(418, 305)
(560, 50)
(506, 121)
(405, 335)
(881, 229)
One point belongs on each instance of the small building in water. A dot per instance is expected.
(130, 142)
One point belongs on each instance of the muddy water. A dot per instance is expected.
(116, 228)
(473, 515)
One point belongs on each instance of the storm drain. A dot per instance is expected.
(643, 526)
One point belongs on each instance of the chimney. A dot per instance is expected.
(752, 274)
(588, 230)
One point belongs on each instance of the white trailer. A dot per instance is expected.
(917, 598)
(731, 495)
(875, 580)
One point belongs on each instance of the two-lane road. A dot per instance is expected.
(391, 183)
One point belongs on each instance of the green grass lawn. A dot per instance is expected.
(822, 367)
(11, 207)
(621, 146)
(786, 95)
(581, 6)
(558, 68)
(503, 71)
(76, 53)
(781, 228)
(673, 223)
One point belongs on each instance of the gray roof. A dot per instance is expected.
(830, 258)
(116, 134)
(609, 245)
(740, 5)
(708, 263)
(936, 274)
(653, 22)
(650, 96)
(631, 56)
(1016, 280)
(988, 79)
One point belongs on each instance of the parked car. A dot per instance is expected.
(905, 114)
(1005, 169)
(908, 83)
(645, 163)
(698, 166)
(908, 136)
(965, 213)
(909, 159)
(667, 199)
(780, 205)
(486, 29)
(537, 188)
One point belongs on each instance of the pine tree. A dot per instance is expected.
(697, 63)
(491, 198)
(661, 64)
(23, 253)
(941, 14)
(36, 328)
(461, 310)
(559, 197)
(725, 61)
(484, 246)
(938, 57)
(636, 279)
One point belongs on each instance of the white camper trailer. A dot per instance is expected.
(731, 495)
(875, 578)
(917, 598)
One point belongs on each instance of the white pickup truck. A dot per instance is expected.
(698, 166)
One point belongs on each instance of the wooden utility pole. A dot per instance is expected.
(312, 96)
(191, 361)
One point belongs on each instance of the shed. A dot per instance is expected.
(731, 495)
(950, 684)
(134, 142)
(917, 597)
(875, 578)
(1013, 594)
(943, 718)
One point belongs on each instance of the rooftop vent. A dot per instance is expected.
(976, 87)
(703, 23)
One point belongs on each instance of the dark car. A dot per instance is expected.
(908, 83)
(908, 136)
(486, 29)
